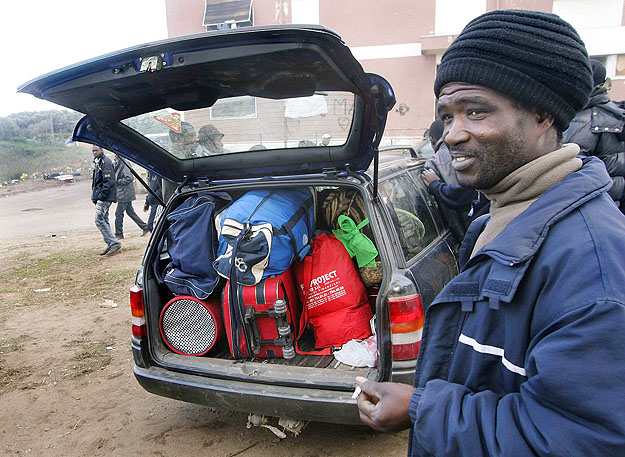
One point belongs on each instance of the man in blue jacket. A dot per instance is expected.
(523, 353)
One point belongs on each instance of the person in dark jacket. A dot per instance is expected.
(523, 353)
(440, 178)
(103, 193)
(125, 196)
(470, 203)
(442, 160)
(151, 203)
(598, 130)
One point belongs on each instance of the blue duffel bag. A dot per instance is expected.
(191, 243)
(266, 230)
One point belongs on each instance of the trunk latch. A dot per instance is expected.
(331, 173)
(152, 63)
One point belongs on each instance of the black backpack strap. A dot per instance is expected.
(237, 309)
(236, 305)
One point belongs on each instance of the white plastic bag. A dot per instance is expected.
(359, 353)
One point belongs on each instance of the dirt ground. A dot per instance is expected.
(66, 382)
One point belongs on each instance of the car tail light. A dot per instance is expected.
(138, 313)
(406, 315)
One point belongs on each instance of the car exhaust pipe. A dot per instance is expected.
(294, 426)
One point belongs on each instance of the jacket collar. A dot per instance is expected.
(598, 96)
(523, 236)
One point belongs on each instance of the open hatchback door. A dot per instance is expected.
(243, 103)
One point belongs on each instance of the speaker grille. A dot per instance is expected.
(188, 327)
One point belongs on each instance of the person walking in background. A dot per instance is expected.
(598, 130)
(523, 353)
(151, 203)
(125, 196)
(103, 193)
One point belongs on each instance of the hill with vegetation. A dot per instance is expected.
(34, 143)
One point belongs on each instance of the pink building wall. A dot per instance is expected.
(364, 23)
(374, 23)
(184, 17)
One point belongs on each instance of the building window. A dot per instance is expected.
(234, 108)
(620, 65)
(228, 14)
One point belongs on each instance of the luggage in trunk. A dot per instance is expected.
(262, 321)
(263, 232)
(191, 239)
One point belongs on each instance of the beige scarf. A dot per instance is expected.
(517, 191)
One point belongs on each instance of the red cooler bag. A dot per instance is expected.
(334, 297)
(263, 320)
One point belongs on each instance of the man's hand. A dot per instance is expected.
(428, 176)
(384, 405)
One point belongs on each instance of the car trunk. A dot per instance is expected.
(310, 370)
(273, 106)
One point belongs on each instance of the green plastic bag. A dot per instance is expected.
(357, 243)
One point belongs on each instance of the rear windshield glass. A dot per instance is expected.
(249, 124)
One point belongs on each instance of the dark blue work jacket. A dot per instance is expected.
(103, 186)
(523, 353)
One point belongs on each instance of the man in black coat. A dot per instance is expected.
(103, 193)
(598, 130)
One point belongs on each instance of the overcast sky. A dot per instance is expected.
(39, 36)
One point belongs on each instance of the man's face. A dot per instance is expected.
(97, 151)
(488, 136)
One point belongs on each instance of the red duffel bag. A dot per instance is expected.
(334, 297)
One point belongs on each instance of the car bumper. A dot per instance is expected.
(311, 404)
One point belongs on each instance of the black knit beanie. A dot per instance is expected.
(535, 58)
(436, 129)
(598, 72)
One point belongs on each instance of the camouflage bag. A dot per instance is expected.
(349, 202)
(336, 202)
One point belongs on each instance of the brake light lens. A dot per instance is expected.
(138, 312)
(406, 315)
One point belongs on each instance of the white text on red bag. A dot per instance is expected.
(334, 297)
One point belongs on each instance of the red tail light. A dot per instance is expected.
(138, 313)
(406, 326)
